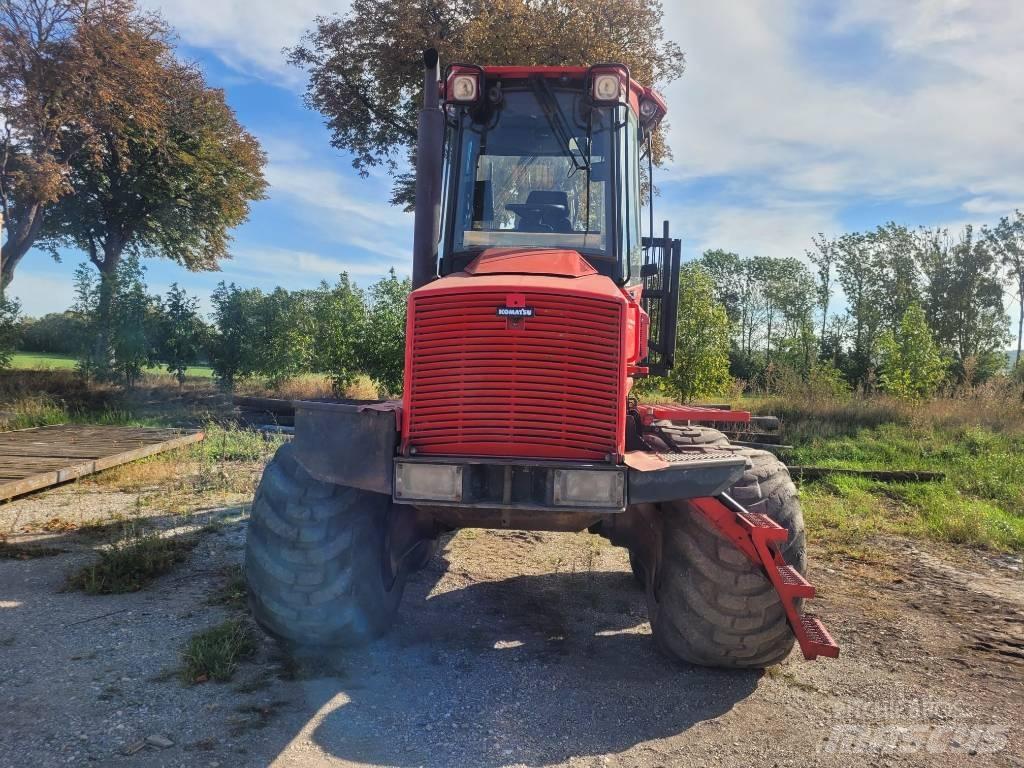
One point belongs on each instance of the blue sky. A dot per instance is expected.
(793, 118)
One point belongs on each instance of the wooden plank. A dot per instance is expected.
(885, 475)
(38, 458)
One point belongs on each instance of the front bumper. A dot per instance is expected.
(564, 486)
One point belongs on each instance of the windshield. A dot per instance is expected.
(532, 171)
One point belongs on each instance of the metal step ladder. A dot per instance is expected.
(759, 537)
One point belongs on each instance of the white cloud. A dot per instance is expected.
(289, 266)
(780, 229)
(41, 293)
(749, 103)
(247, 35)
(341, 207)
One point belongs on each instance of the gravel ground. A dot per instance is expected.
(513, 649)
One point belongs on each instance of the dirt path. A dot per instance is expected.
(514, 649)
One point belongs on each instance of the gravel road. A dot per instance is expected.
(515, 649)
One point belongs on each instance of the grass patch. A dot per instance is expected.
(980, 503)
(42, 361)
(132, 563)
(215, 653)
(9, 551)
(235, 592)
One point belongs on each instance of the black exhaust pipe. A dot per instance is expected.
(429, 149)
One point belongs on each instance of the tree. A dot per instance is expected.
(118, 318)
(173, 189)
(702, 347)
(236, 333)
(365, 75)
(181, 332)
(70, 73)
(894, 254)
(383, 343)
(824, 258)
(911, 364)
(10, 328)
(1007, 240)
(964, 300)
(858, 275)
(341, 323)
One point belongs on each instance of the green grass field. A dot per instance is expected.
(980, 502)
(34, 361)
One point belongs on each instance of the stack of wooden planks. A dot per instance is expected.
(31, 459)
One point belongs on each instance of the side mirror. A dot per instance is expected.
(649, 270)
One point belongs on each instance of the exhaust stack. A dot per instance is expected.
(429, 140)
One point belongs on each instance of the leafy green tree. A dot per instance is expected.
(963, 300)
(287, 328)
(1007, 240)
(858, 275)
(365, 75)
(341, 322)
(702, 348)
(173, 189)
(118, 318)
(894, 251)
(56, 332)
(236, 333)
(383, 343)
(10, 329)
(911, 363)
(824, 258)
(132, 332)
(181, 332)
(72, 77)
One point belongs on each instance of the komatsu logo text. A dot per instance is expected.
(515, 311)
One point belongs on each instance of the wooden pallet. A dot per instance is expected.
(31, 459)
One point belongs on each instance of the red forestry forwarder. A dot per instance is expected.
(537, 302)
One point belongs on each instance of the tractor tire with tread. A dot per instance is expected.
(711, 606)
(686, 436)
(314, 559)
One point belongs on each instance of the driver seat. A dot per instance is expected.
(545, 210)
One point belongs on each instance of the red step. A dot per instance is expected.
(762, 526)
(816, 641)
(794, 582)
(759, 537)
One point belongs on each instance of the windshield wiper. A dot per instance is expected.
(559, 125)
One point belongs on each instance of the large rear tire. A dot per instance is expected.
(315, 559)
(710, 605)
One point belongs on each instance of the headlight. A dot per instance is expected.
(607, 87)
(428, 482)
(464, 84)
(464, 88)
(589, 487)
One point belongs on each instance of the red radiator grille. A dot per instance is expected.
(551, 389)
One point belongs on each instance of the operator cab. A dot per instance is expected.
(547, 158)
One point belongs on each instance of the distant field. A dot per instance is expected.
(42, 360)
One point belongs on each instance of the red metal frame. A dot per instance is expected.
(636, 90)
(651, 413)
(758, 536)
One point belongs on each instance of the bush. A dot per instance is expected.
(10, 312)
(181, 332)
(119, 321)
(341, 325)
(383, 344)
(912, 367)
(702, 348)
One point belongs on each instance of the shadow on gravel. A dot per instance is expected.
(532, 669)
